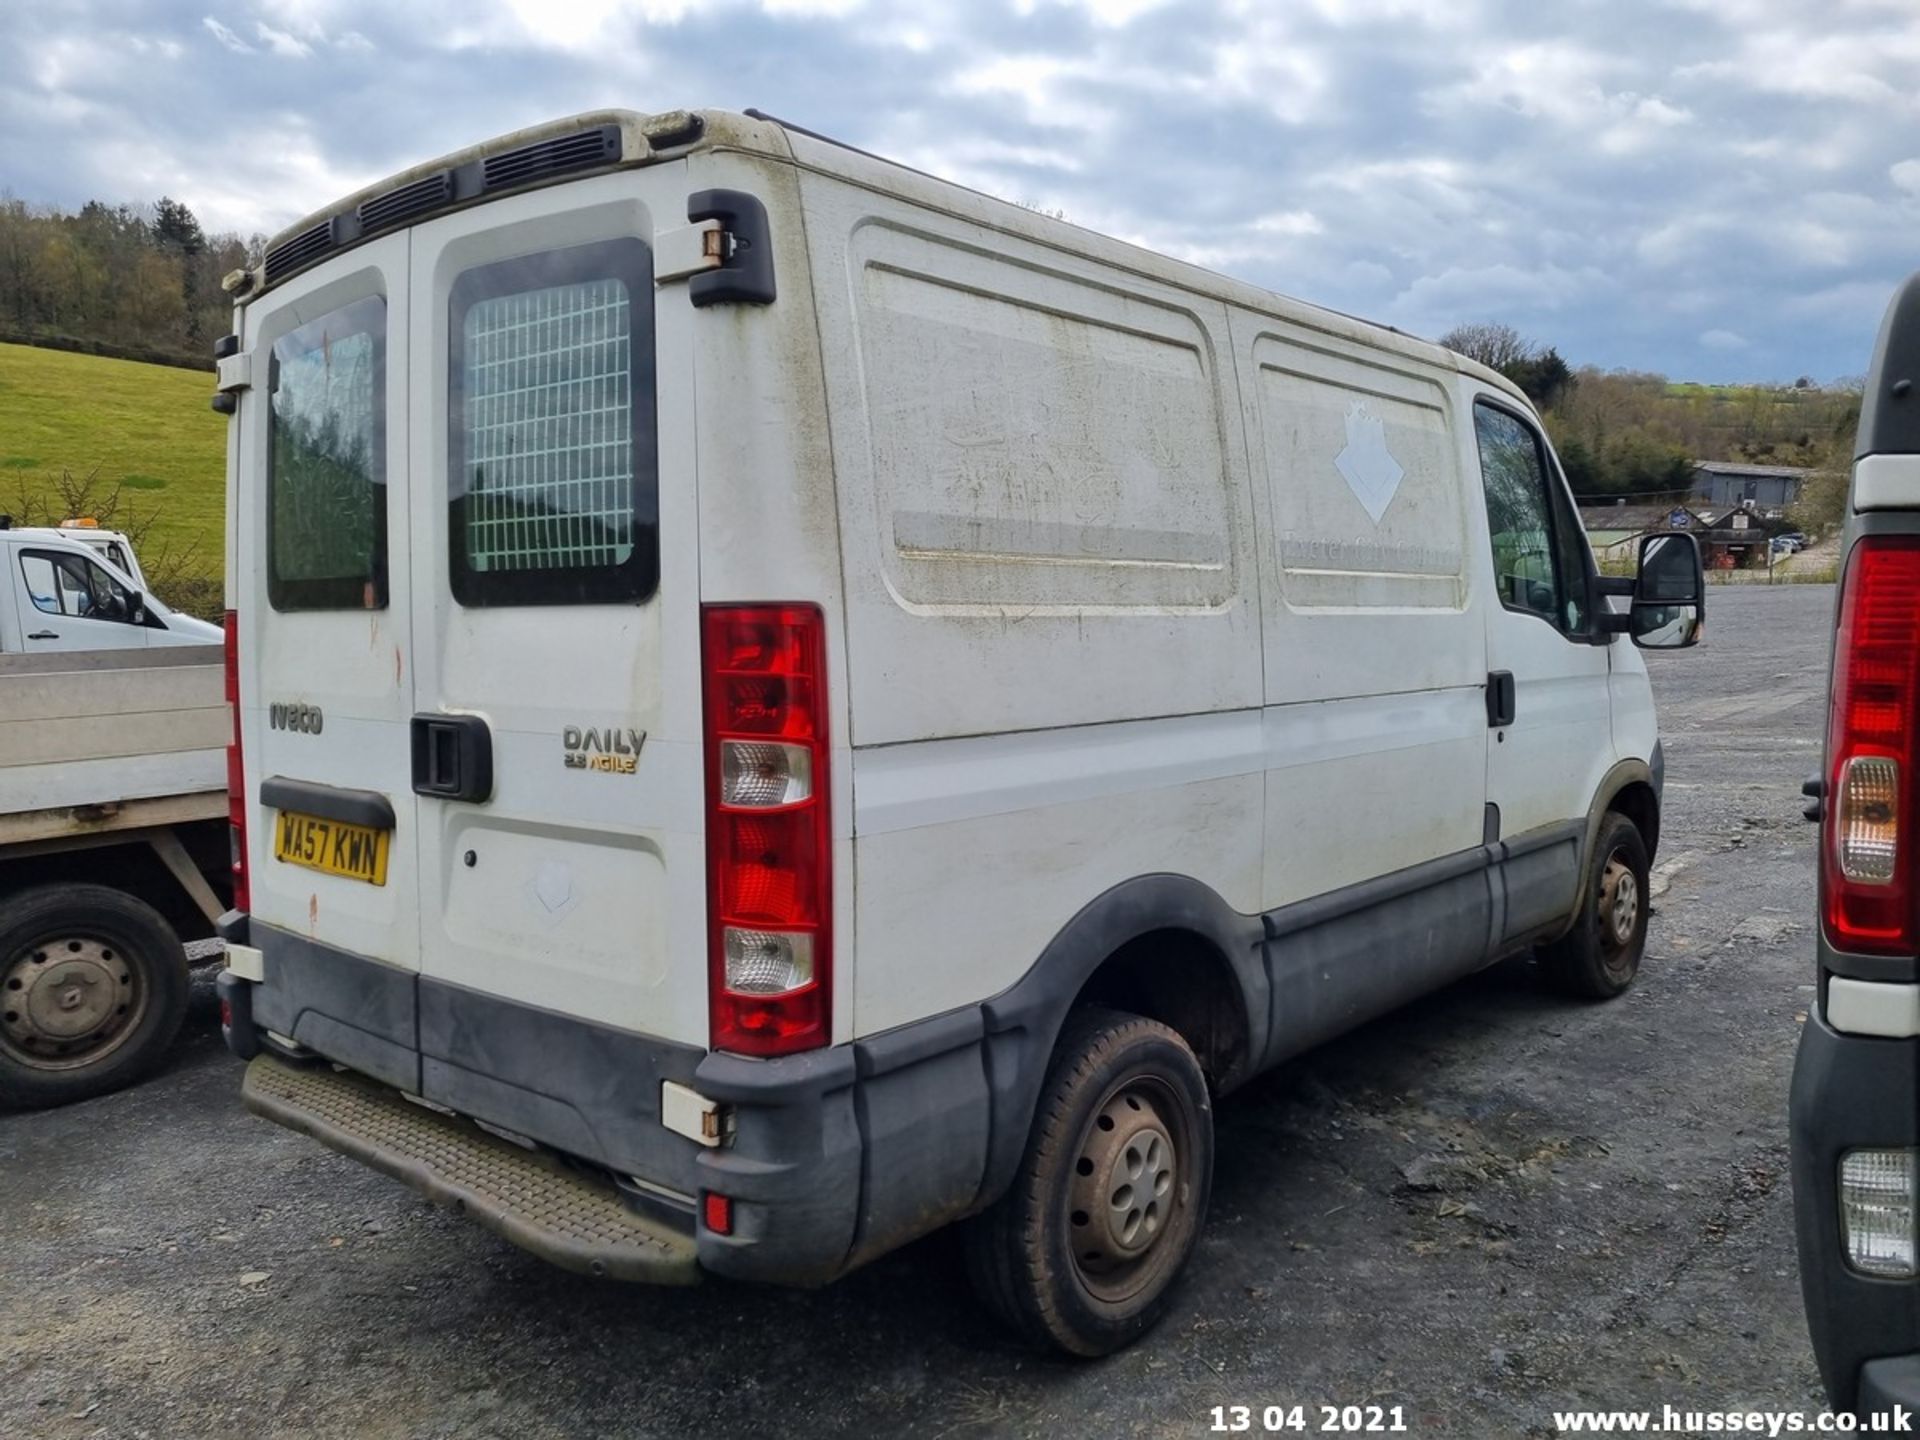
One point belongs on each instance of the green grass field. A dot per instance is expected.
(147, 428)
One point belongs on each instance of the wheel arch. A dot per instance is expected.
(1137, 946)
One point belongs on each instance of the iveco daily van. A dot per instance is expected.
(784, 703)
(1856, 1085)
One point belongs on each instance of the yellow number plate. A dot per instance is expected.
(359, 852)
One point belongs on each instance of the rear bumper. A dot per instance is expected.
(561, 1215)
(835, 1156)
(1851, 1092)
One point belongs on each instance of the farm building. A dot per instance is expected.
(1731, 539)
(1723, 485)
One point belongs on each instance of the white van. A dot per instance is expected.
(59, 593)
(784, 703)
(113, 546)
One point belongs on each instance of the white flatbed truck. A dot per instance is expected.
(113, 855)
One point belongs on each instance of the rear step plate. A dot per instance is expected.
(526, 1197)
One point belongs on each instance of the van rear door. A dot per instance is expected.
(555, 619)
(326, 651)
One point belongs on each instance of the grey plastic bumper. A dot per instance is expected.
(836, 1156)
(1850, 1093)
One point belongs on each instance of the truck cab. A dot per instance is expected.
(1855, 1108)
(61, 593)
(113, 546)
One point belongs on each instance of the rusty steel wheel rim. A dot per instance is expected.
(1619, 906)
(1128, 1198)
(69, 1001)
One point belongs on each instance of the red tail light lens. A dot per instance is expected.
(236, 773)
(769, 841)
(1870, 811)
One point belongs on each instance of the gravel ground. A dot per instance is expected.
(1490, 1206)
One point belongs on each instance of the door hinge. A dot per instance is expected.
(688, 250)
(232, 374)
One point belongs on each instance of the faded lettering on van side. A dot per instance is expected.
(612, 751)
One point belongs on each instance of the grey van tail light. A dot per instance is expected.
(1877, 1211)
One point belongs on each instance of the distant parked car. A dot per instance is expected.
(1789, 544)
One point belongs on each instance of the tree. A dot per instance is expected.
(176, 229)
(1495, 346)
(1543, 375)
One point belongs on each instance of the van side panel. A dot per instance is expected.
(1375, 652)
(1051, 623)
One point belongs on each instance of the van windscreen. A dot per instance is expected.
(326, 463)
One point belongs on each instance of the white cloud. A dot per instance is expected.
(281, 43)
(1613, 179)
(226, 36)
(1723, 340)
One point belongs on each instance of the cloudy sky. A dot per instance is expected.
(1719, 189)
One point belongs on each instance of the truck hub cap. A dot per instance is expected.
(1619, 902)
(67, 1002)
(1122, 1196)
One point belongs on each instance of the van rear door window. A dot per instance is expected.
(553, 491)
(326, 463)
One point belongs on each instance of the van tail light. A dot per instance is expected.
(769, 840)
(236, 773)
(1866, 850)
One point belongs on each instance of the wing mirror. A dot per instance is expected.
(1669, 609)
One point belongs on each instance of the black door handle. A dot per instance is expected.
(452, 757)
(1500, 699)
(44, 635)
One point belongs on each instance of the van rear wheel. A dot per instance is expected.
(93, 988)
(1600, 956)
(1082, 1253)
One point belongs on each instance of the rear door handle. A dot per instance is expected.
(44, 635)
(452, 757)
(1500, 699)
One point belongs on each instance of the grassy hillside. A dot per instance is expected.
(147, 428)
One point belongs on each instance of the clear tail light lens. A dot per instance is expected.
(1877, 1211)
(1865, 832)
(236, 771)
(1865, 871)
(769, 841)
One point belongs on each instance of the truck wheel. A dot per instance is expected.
(93, 987)
(1082, 1252)
(1598, 958)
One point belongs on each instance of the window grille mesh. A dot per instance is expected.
(549, 429)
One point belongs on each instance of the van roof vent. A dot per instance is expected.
(299, 251)
(400, 204)
(581, 150)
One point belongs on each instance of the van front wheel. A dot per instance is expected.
(1600, 956)
(1081, 1254)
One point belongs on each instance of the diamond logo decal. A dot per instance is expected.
(1372, 472)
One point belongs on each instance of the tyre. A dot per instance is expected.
(1598, 958)
(1082, 1252)
(93, 987)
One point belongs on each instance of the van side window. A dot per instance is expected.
(553, 490)
(1530, 556)
(326, 463)
(69, 585)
